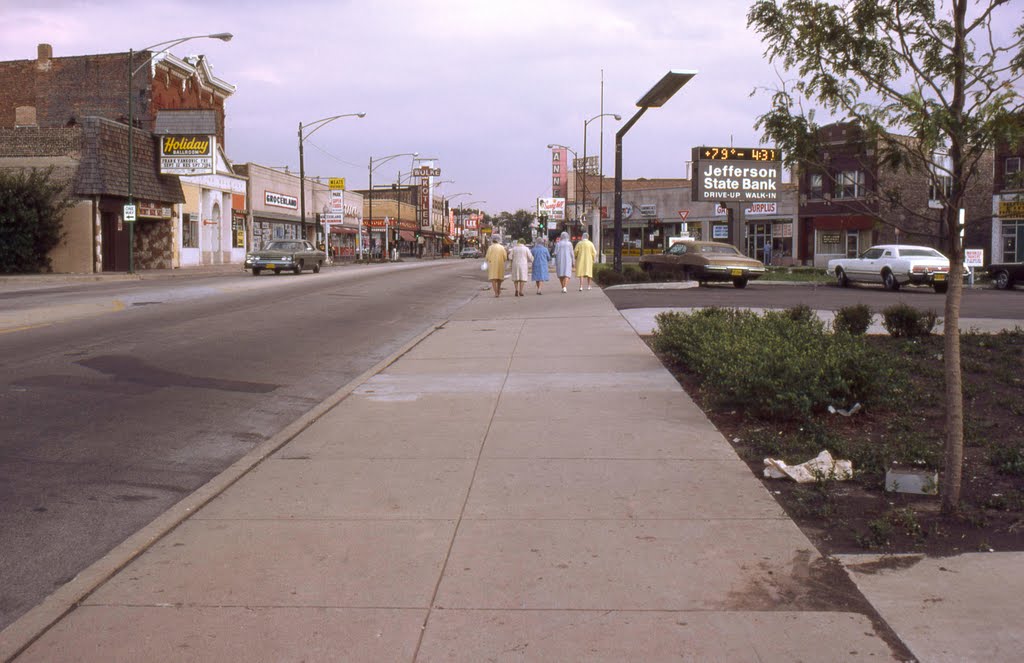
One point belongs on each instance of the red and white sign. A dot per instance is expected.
(762, 208)
(683, 213)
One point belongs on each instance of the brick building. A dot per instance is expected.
(1007, 240)
(849, 200)
(72, 112)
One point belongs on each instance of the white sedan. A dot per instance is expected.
(894, 265)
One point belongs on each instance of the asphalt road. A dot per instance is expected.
(976, 302)
(119, 399)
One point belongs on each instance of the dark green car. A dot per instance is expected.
(293, 255)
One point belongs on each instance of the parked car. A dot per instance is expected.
(286, 254)
(1006, 274)
(704, 262)
(470, 252)
(894, 265)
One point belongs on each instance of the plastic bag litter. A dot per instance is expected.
(846, 413)
(822, 466)
(483, 266)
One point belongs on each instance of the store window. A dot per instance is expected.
(849, 184)
(237, 230)
(190, 231)
(1014, 175)
(815, 187)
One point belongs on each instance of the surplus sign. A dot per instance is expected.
(736, 174)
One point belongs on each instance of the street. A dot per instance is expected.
(120, 398)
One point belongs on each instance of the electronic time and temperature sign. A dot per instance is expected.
(736, 174)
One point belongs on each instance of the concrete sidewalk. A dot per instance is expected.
(490, 495)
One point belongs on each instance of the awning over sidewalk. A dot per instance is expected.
(407, 236)
(342, 230)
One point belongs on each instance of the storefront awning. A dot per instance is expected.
(407, 236)
(342, 230)
(844, 222)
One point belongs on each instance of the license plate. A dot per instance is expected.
(736, 272)
(938, 277)
(271, 265)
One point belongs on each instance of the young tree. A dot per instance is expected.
(946, 73)
(31, 207)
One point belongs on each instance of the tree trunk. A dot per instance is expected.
(954, 460)
(954, 456)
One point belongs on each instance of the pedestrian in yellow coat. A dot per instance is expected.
(586, 253)
(496, 257)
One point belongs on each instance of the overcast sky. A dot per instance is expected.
(482, 85)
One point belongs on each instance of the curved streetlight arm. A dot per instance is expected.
(168, 45)
(383, 160)
(317, 124)
(564, 147)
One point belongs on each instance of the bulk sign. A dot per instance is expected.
(736, 174)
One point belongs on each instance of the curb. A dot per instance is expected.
(28, 628)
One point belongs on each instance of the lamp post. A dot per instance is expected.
(461, 225)
(167, 45)
(575, 197)
(380, 162)
(472, 202)
(311, 128)
(655, 98)
(597, 231)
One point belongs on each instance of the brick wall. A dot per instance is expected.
(64, 90)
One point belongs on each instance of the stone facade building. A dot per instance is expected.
(73, 113)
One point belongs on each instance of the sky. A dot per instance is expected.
(481, 85)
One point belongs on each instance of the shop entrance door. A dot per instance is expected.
(759, 235)
(114, 243)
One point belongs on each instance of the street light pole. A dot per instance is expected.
(380, 162)
(461, 225)
(167, 45)
(316, 124)
(655, 98)
(597, 231)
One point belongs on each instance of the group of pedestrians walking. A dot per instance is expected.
(534, 263)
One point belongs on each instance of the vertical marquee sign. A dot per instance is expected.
(736, 174)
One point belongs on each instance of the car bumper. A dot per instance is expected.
(268, 263)
(927, 278)
(728, 273)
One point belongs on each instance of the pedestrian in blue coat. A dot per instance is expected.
(541, 262)
(564, 260)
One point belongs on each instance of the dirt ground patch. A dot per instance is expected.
(860, 515)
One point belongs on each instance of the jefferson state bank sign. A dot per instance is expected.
(736, 174)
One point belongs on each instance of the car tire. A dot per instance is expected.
(297, 268)
(256, 271)
(841, 279)
(1002, 280)
(889, 281)
(739, 283)
(277, 270)
(941, 288)
(316, 267)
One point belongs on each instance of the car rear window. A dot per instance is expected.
(729, 250)
(920, 253)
